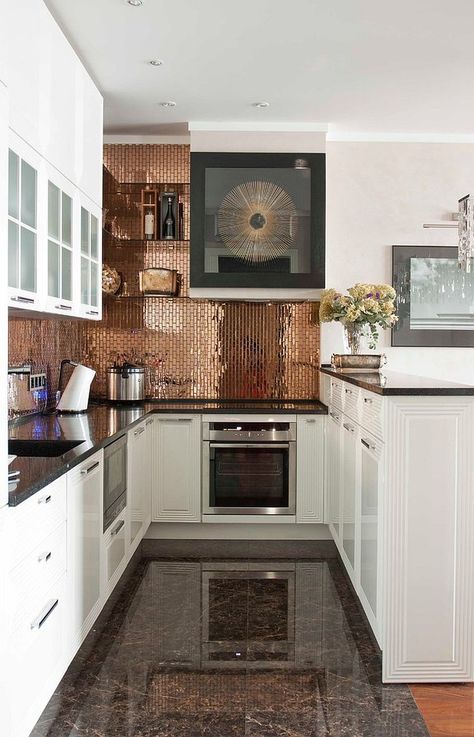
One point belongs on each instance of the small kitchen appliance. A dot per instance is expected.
(75, 397)
(126, 383)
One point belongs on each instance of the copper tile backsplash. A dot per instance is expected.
(193, 348)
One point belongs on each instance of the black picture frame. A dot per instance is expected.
(403, 335)
(315, 278)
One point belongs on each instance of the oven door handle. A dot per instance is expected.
(249, 445)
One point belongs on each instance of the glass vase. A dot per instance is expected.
(352, 336)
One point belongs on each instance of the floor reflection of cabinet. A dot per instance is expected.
(177, 590)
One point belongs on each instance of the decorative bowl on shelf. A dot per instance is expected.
(111, 280)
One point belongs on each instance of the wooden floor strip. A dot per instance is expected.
(448, 709)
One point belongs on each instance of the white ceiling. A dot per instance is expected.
(357, 65)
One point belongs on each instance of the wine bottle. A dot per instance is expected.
(169, 225)
(149, 225)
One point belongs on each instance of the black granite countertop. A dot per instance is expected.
(104, 423)
(397, 384)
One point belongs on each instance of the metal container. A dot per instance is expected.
(126, 383)
(358, 362)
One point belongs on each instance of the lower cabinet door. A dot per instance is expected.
(310, 469)
(177, 492)
(370, 484)
(84, 491)
(115, 551)
(333, 473)
(39, 656)
(349, 497)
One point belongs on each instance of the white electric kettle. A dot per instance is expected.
(75, 397)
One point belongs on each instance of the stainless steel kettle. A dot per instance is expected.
(126, 383)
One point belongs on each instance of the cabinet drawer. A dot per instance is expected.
(33, 520)
(38, 656)
(350, 401)
(372, 413)
(30, 580)
(336, 393)
(115, 548)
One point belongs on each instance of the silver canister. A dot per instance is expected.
(126, 383)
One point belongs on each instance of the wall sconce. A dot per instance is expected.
(466, 233)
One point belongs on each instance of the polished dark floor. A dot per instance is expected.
(221, 647)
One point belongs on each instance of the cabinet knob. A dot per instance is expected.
(367, 400)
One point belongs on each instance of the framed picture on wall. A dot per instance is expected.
(435, 298)
(257, 220)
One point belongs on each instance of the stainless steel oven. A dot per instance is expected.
(115, 479)
(249, 467)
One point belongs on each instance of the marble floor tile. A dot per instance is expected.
(247, 647)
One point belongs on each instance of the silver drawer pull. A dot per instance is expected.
(367, 400)
(44, 557)
(62, 307)
(85, 471)
(336, 417)
(44, 614)
(92, 312)
(140, 431)
(149, 422)
(117, 529)
(348, 391)
(26, 300)
(184, 419)
(44, 499)
(348, 427)
(367, 444)
(310, 421)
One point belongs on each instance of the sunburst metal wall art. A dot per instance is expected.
(256, 220)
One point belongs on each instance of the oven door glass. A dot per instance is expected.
(253, 478)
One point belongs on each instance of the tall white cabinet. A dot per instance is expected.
(399, 475)
(55, 170)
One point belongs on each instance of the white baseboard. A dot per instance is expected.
(239, 531)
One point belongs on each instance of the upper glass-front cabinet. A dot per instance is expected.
(60, 253)
(22, 231)
(54, 245)
(90, 264)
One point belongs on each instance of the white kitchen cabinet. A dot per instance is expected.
(55, 105)
(84, 496)
(114, 552)
(333, 472)
(371, 480)
(26, 223)
(177, 620)
(177, 472)
(406, 526)
(140, 454)
(62, 245)
(89, 272)
(349, 478)
(310, 469)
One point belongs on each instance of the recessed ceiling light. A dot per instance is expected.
(135, 3)
(156, 62)
(261, 104)
(168, 103)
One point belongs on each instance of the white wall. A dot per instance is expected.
(379, 195)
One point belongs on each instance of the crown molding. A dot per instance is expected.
(387, 137)
(260, 127)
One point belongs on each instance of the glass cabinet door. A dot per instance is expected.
(90, 267)
(60, 245)
(22, 228)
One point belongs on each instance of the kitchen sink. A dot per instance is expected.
(42, 448)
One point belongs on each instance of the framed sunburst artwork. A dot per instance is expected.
(257, 220)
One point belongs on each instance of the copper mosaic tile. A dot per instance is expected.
(192, 348)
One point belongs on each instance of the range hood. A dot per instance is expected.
(257, 226)
(255, 295)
